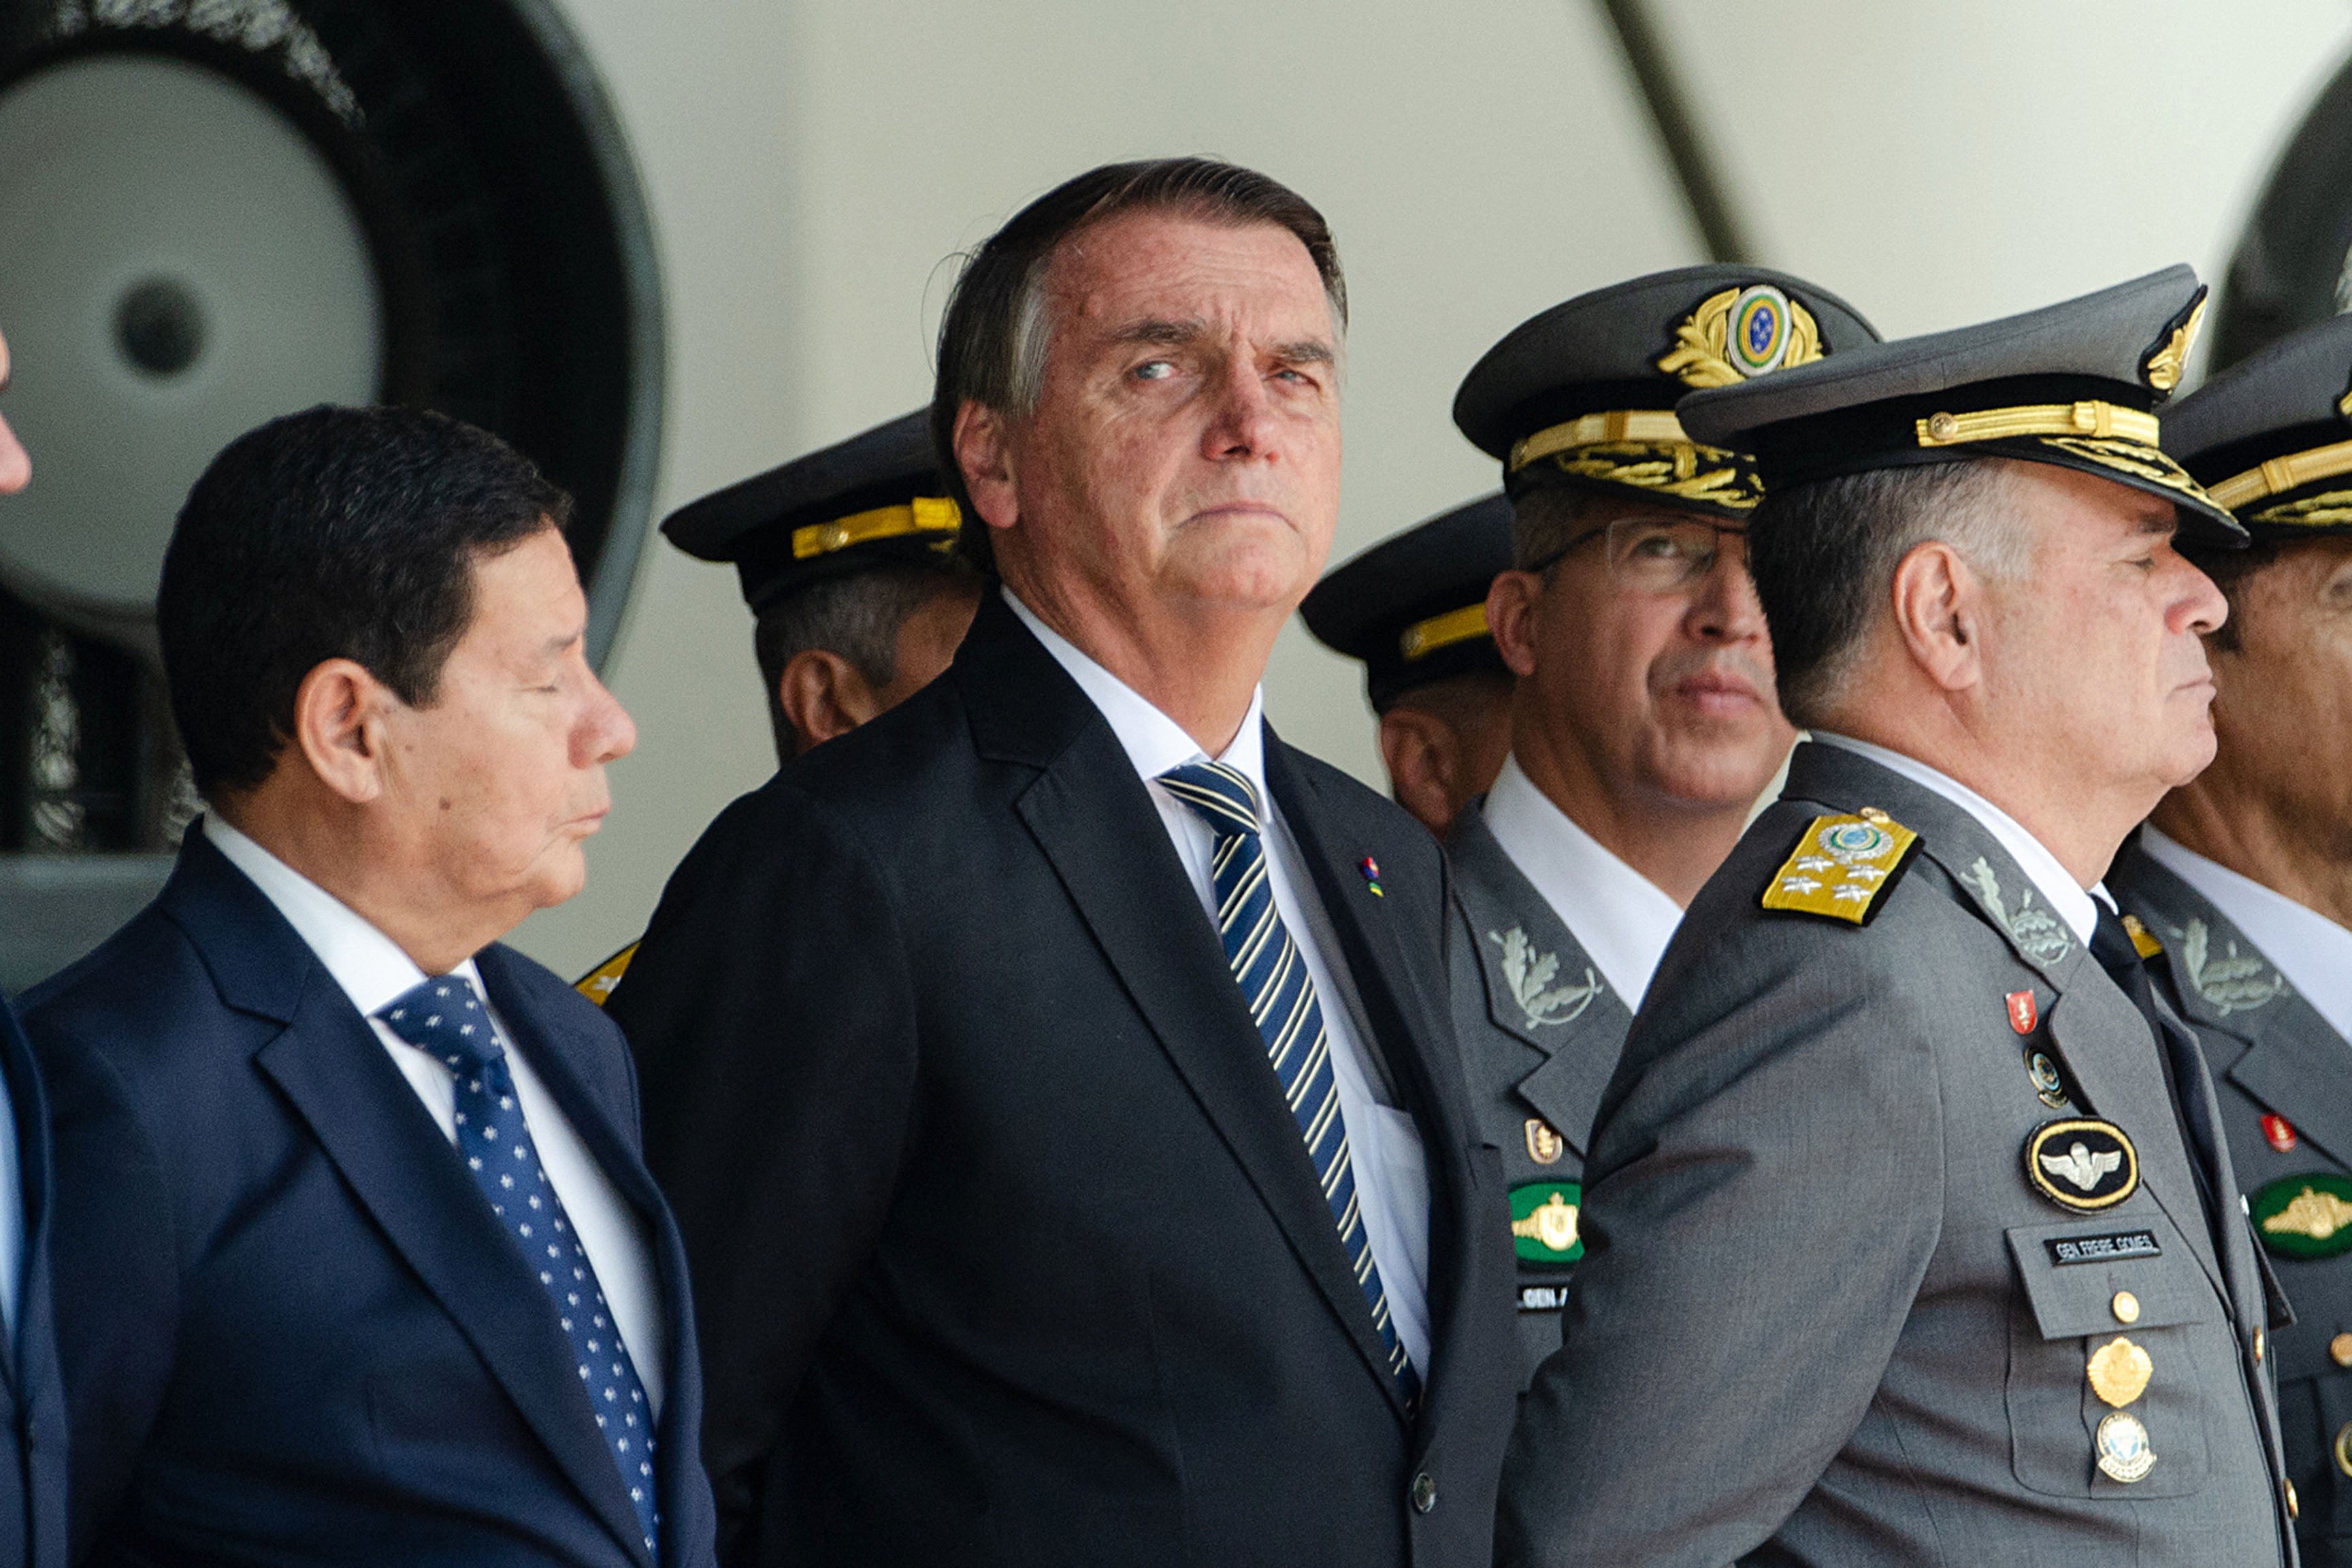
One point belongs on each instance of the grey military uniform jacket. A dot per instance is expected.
(1540, 1031)
(2284, 1082)
(1824, 1316)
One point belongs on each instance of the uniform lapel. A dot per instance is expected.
(1099, 828)
(2226, 984)
(1541, 987)
(337, 1074)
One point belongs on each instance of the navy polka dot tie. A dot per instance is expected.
(446, 1016)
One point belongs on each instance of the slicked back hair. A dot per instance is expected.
(993, 338)
(1823, 555)
(333, 533)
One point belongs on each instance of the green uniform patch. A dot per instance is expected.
(1544, 1221)
(2305, 1216)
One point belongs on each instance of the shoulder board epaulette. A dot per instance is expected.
(1843, 867)
(2144, 940)
(598, 982)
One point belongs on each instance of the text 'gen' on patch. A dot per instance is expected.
(2105, 1247)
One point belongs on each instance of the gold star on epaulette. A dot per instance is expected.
(1843, 867)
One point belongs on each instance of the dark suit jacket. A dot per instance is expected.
(32, 1396)
(2279, 1074)
(1009, 1251)
(292, 1330)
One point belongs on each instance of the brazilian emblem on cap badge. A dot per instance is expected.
(1740, 333)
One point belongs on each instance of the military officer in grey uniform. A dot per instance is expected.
(1412, 609)
(2244, 875)
(1642, 723)
(1912, 1237)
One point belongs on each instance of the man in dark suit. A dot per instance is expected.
(32, 1399)
(356, 1259)
(1052, 1076)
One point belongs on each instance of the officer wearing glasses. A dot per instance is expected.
(1644, 724)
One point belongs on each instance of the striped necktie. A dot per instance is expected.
(1281, 998)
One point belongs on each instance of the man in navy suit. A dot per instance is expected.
(32, 1400)
(356, 1257)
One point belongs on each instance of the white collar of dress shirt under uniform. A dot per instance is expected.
(370, 966)
(2313, 952)
(2068, 897)
(1153, 741)
(1621, 918)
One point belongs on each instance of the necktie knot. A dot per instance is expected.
(1220, 794)
(446, 1016)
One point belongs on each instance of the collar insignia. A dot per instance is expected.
(2235, 982)
(1528, 975)
(2041, 936)
(598, 982)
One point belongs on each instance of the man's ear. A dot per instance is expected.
(823, 695)
(1942, 610)
(1511, 617)
(338, 713)
(984, 452)
(1424, 761)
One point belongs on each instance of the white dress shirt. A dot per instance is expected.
(2311, 951)
(373, 970)
(1622, 919)
(1384, 1147)
(2059, 889)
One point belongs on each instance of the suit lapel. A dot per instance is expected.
(1541, 987)
(1099, 828)
(340, 1081)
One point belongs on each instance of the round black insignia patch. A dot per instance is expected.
(2082, 1164)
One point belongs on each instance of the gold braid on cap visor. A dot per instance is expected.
(1422, 638)
(2277, 475)
(2123, 439)
(924, 514)
(1644, 448)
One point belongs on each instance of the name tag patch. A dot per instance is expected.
(1542, 1298)
(2107, 1246)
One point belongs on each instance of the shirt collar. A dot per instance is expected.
(2313, 952)
(370, 966)
(1623, 920)
(1153, 741)
(2074, 905)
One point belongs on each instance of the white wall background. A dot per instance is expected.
(813, 167)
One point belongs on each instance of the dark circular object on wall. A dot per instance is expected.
(2293, 263)
(214, 213)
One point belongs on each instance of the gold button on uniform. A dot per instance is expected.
(2339, 1349)
(2259, 1343)
(2126, 1307)
(2344, 1447)
(2294, 1508)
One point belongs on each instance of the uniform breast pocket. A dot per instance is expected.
(2116, 1358)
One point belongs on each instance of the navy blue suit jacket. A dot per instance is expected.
(291, 1330)
(32, 1397)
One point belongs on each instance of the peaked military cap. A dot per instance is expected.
(1414, 607)
(1584, 393)
(2074, 385)
(2271, 437)
(871, 499)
